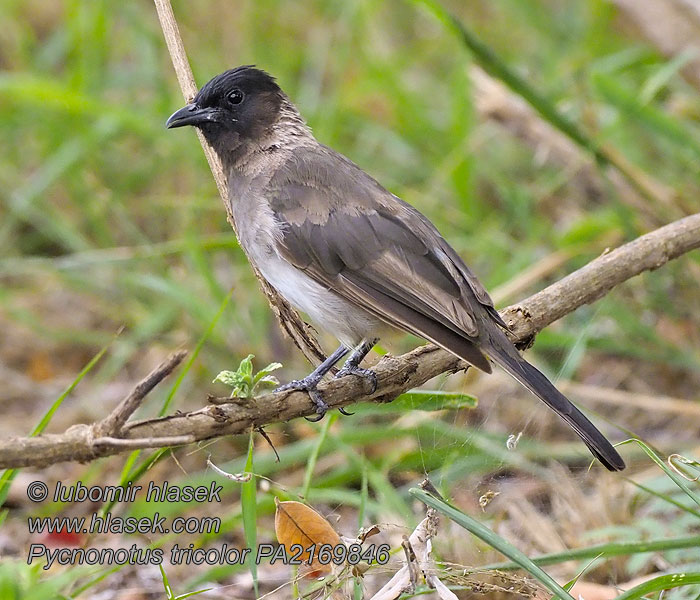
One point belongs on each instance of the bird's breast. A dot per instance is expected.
(332, 313)
(259, 233)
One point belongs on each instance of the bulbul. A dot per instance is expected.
(345, 251)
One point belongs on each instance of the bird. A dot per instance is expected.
(358, 260)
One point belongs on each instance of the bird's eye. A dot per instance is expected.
(235, 97)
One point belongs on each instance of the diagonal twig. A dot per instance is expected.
(288, 318)
(112, 425)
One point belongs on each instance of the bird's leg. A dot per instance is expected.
(351, 366)
(310, 382)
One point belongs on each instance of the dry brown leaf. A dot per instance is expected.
(299, 525)
(366, 533)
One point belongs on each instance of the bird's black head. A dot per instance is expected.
(238, 106)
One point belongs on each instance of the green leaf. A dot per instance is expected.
(262, 373)
(268, 381)
(246, 367)
(229, 378)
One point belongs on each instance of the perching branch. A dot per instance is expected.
(395, 375)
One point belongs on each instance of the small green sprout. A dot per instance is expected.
(242, 381)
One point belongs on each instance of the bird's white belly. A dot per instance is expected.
(348, 323)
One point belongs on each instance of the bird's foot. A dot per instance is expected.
(366, 374)
(309, 385)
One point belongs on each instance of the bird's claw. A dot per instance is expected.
(366, 374)
(308, 385)
(321, 406)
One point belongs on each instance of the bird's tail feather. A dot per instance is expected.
(503, 354)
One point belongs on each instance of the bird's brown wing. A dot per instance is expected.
(377, 252)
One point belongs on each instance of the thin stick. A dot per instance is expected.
(238, 477)
(289, 319)
(654, 403)
(185, 78)
(112, 425)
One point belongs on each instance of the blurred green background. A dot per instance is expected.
(108, 220)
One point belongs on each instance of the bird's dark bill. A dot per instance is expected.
(192, 115)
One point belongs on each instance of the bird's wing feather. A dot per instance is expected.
(376, 251)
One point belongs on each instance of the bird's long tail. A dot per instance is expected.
(503, 353)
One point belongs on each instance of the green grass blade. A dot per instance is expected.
(665, 498)
(659, 80)
(250, 510)
(127, 475)
(364, 497)
(493, 65)
(677, 479)
(493, 540)
(131, 475)
(606, 551)
(94, 580)
(665, 582)
(166, 584)
(384, 490)
(195, 354)
(190, 594)
(46, 419)
(646, 114)
(313, 457)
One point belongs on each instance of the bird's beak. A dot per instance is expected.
(192, 115)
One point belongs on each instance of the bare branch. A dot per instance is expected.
(589, 283)
(395, 375)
